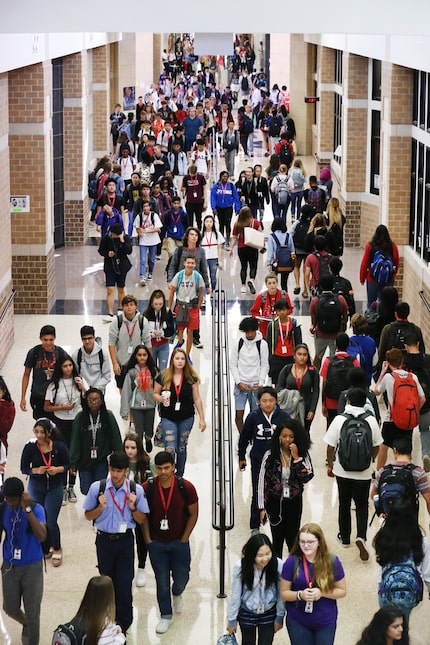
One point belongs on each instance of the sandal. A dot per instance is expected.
(305, 294)
(49, 554)
(296, 291)
(57, 559)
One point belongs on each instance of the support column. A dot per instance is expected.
(325, 74)
(6, 306)
(300, 86)
(102, 141)
(30, 161)
(76, 201)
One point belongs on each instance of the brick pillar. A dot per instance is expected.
(325, 74)
(102, 141)
(354, 142)
(6, 325)
(30, 161)
(300, 85)
(76, 201)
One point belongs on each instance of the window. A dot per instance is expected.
(58, 150)
(337, 139)
(375, 141)
(376, 80)
(338, 76)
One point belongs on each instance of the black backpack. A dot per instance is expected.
(397, 335)
(244, 84)
(240, 345)
(102, 487)
(69, 634)
(181, 486)
(275, 126)
(285, 154)
(300, 233)
(316, 200)
(337, 376)
(329, 314)
(79, 358)
(324, 262)
(396, 484)
(354, 449)
(341, 286)
(93, 183)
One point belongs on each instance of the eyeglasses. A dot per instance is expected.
(94, 400)
(308, 542)
(86, 339)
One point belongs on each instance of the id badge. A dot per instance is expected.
(93, 453)
(284, 350)
(17, 554)
(130, 349)
(195, 195)
(122, 527)
(260, 608)
(175, 229)
(286, 491)
(177, 406)
(164, 524)
(309, 607)
(143, 403)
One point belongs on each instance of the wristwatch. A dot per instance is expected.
(28, 509)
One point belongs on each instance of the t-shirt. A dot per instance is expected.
(42, 363)
(240, 235)
(194, 188)
(184, 398)
(188, 286)
(67, 392)
(30, 549)
(177, 513)
(387, 385)
(200, 159)
(210, 243)
(324, 610)
(145, 222)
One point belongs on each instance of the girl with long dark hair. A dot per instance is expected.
(381, 241)
(386, 628)
(255, 601)
(137, 396)
(285, 468)
(96, 613)
(212, 243)
(247, 255)
(63, 399)
(162, 327)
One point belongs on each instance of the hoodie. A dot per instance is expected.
(248, 365)
(89, 366)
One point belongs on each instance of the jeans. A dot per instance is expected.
(374, 291)
(51, 499)
(250, 143)
(296, 201)
(213, 265)
(265, 635)
(115, 558)
(229, 158)
(24, 584)
(144, 422)
(176, 435)
(144, 251)
(88, 476)
(169, 558)
(424, 426)
(160, 354)
(358, 490)
(300, 635)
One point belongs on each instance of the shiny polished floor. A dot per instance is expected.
(80, 300)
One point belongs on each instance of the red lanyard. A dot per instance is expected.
(130, 335)
(45, 461)
(111, 200)
(175, 221)
(169, 498)
(178, 388)
(49, 364)
(208, 239)
(283, 342)
(305, 569)
(121, 510)
(194, 251)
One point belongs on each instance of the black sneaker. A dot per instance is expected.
(251, 287)
(148, 445)
(342, 543)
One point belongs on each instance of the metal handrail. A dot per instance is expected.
(7, 305)
(222, 455)
(425, 301)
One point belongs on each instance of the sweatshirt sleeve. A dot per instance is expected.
(264, 362)
(235, 595)
(260, 485)
(126, 396)
(115, 432)
(234, 359)
(364, 266)
(245, 437)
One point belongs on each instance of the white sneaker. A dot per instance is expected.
(163, 625)
(140, 578)
(362, 547)
(108, 318)
(142, 282)
(178, 604)
(243, 289)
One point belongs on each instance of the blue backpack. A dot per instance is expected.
(282, 260)
(382, 268)
(401, 585)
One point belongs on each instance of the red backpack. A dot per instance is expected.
(405, 408)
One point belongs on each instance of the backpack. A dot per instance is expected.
(244, 84)
(120, 319)
(285, 154)
(275, 126)
(355, 350)
(284, 295)
(92, 185)
(340, 286)
(150, 490)
(354, 449)
(329, 315)
(324, 261)
(248, 127)
(395, 484)
(423, 376)
(300, 233)
(196, 276)
(405, 407)
(102, 487)
(401, 585)
(79, 358)
(315, 200)
(69, 634)
(281, 191)
(282, 260)
(398, 333)
(240, 345)
(141, 219)
(381, 268)
(337, 376)
(373, 324)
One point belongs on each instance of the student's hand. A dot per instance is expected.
(25, 500)
(231, 630)
(40, 470)
(294, 451)
(324, 410)
(132, 501)
(242, 387)
(117, 369)
(277, 627)
(111, 254)
(242, 464)
(23, 405)
(310, 416)
(102, 501)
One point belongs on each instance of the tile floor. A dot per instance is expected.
(81, 287)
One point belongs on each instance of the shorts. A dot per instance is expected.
(193, 321)
(241, 398)
(390, 433)
(113, 279)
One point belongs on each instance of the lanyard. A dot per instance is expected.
(208, 239)
(47, 462)
(169, 498)
(111, 200)
(94, 427)
(175, 221)
(121, 510)
(130, 335)
(69, 394)
(49, 364)
(178, 388)
(299, 379)
(305, 569)
(281, 333)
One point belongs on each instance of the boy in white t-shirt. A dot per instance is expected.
(188, 287)
(148, 226)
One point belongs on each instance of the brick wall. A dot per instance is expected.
(34, 280)
(101, 100)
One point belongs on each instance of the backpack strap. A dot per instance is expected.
(150, 490)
